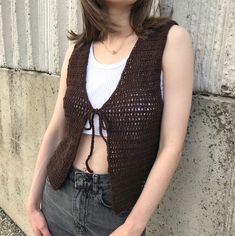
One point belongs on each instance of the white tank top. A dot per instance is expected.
(101, 81)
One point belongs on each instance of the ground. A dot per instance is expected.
(8, 227)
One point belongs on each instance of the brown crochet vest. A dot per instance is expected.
(131, 117)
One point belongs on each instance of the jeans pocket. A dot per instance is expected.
(105, 197)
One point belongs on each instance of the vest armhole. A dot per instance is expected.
(70, 65)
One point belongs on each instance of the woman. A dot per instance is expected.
(114, 29)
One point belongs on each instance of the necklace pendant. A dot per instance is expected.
(114, 52)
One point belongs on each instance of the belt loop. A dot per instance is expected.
(75, 179)
(95, 183)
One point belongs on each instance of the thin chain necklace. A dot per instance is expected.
(113, 52)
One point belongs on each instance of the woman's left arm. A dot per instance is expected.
(178, 70)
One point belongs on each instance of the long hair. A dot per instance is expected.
(96, 23)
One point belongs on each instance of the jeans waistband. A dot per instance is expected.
(77, 175)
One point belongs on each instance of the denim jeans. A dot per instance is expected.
(82, 206)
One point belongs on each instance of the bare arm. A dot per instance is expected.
(178, 68)
(51, 139)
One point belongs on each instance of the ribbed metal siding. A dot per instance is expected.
(33, 33)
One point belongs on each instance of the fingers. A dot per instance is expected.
(45, 231)
(37, 233)
(42, 232)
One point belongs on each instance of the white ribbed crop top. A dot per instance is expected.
(101, 81)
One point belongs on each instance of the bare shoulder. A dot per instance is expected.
(178, 45)
(177, 34)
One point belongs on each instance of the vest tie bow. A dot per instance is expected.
(103, 124)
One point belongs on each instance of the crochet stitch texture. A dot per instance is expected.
(131, 116)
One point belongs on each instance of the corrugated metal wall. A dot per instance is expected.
(212, 26)
(33, 33)
(33, 36)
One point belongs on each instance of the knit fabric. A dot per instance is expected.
(101, 81)
(131, 116)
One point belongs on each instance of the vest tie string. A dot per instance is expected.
(103, 124)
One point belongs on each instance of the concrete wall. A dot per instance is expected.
(26, 102)
(200, 200)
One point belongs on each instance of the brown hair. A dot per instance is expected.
(96, 24)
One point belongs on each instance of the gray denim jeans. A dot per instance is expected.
(82, 206)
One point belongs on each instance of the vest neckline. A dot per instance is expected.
(121, 80)
(105, 65)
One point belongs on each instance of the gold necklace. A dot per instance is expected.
(113, 52)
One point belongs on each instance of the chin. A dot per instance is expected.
(124, 2)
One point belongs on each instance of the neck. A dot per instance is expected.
(119, 15)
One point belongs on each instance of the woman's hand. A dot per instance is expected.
(38, 222)
(127, 230)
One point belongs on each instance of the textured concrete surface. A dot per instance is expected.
(201, 197)
(27, 100)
